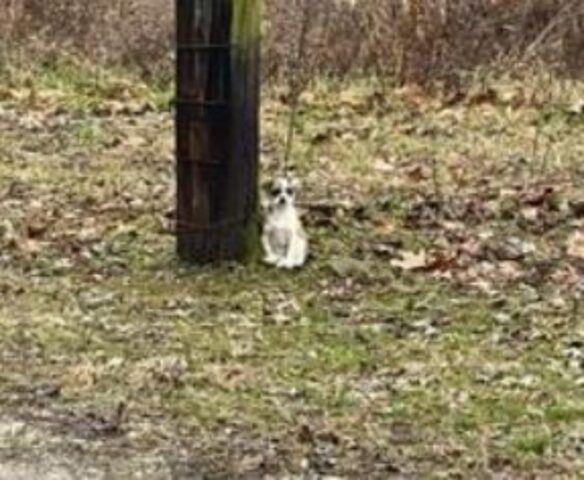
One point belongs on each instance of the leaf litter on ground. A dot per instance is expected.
(429, 334)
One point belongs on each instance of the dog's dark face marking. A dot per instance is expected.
(282, 192)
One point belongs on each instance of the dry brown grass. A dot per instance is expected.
(404, 40)
(136, 34)
(421, 40)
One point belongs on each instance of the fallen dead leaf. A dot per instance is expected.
(577, 108)
(411, 261)
(30, 247)
(575, 245)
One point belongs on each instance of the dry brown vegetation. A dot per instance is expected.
(405, 40)
(419, 40)
(135, 34)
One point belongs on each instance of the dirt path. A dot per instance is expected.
(31, 452)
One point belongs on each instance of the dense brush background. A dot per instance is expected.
(404, 40)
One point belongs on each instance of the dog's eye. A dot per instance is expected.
(276, 191)
(290, 191)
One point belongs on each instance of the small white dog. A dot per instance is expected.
(283, 238)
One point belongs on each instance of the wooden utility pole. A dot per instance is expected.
(217, 128)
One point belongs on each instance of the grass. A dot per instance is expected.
(454, 370)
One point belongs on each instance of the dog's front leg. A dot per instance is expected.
(270, 256)
(296, 254)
